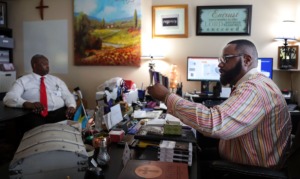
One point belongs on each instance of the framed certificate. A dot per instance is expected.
(224, 20)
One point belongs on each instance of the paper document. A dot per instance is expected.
(159, 121)
(170, 117)
(113, 117)
(139, 114)
(162, 106)
(156, 122)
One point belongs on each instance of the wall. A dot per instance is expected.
(266, 15)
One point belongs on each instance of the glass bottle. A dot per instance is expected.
(103, 156)
(98, 117)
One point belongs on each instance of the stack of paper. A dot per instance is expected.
(140, 114)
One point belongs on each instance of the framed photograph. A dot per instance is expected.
(3, 14)
(288, 57)
(224, 20)
(170, 21)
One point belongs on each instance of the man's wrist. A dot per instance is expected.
(166, 97)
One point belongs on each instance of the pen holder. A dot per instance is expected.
(141, 95)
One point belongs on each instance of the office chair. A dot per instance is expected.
(229, 170)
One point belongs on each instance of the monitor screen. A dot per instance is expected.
(265, 65)
(203, 69)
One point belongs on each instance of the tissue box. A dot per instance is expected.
(116, 136)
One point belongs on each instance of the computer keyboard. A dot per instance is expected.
(292, 107)
(211, 103)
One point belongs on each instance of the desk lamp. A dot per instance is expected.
(152, 65)
(287, 33)
(173, 77)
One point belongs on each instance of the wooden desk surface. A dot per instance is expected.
(115, 165)
(7, 113)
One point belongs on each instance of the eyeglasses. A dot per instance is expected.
(225, 58)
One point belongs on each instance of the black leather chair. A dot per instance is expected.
(228, 170)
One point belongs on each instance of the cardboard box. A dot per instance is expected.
(116, 136)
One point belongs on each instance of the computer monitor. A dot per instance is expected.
(203, 69)
(265, 65)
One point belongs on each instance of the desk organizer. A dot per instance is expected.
(50, 151)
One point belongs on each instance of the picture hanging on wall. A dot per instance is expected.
(288, 57)
(170, 21)
(224, 20)
(107, 33)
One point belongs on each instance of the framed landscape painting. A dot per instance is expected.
(107, 32)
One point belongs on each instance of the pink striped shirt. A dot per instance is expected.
(253, 124)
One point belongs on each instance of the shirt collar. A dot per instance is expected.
(246, 76)
(37, 76)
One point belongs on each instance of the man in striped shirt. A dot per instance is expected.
(253, 124)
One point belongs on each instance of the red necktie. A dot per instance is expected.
(43, 97)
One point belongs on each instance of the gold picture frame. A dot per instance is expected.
(170, 21)
(291, 60)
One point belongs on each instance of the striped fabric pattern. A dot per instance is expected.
(253, 124)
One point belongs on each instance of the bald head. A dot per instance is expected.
(243, 46)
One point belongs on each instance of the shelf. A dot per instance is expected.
(287, 70)
(6, 44)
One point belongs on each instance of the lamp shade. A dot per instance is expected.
(152, 57)
(287, 31)
(173, 77)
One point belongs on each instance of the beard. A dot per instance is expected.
(231, 74)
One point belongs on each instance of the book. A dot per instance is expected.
(140, 169)
(155, 132)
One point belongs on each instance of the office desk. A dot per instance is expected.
(10, 136)
(115, 165)
(7, 113)
(295, 117)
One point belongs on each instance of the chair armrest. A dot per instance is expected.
(246, 170)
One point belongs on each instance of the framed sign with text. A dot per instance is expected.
(224, 20)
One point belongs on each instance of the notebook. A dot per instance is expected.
(154, 132)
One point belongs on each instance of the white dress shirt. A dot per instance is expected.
(27, 88)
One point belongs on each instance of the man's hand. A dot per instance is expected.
(158, 91)
(70, 112)
(36, 107)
